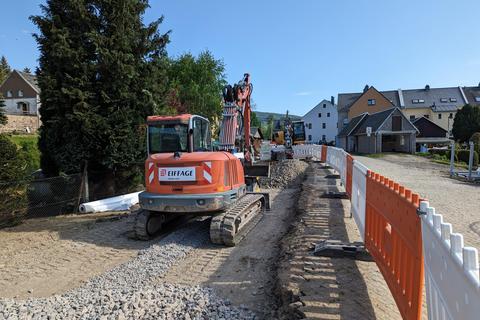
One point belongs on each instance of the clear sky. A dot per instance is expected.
(300, 52)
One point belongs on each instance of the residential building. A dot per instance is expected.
(321, 122)
(473, 95)
(383, 131)
(22, 102)
(437, 104)
(429, 133)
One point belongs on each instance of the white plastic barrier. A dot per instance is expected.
(337, 158)
(307, 151)
(118, 203)
(451, 270)
(359, 195)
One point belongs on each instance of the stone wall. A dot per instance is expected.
(20, 123)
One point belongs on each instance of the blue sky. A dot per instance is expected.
(299, 52)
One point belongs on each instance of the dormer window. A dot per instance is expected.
(416, 101)
(453, 99)
(372, 102)
(20, 93)
(9, 94)
(477, 99)
(443, 100)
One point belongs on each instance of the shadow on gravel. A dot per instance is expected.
(321, 287)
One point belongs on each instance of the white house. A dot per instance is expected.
(321, 122)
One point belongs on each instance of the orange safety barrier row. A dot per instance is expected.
(324, 153)
(348, 184)
(394, 239)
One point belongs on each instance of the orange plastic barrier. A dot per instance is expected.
(324, 153)
(348, 186)
(393, 238)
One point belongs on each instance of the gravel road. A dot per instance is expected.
(127, 292)
(457, 201)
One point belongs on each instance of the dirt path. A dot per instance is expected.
(315, 287)
(46, 256)
(457, 201)
(245, 274)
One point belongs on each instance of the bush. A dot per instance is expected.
(13, 185)
(463, 155)
(441, 152)
(29, 147)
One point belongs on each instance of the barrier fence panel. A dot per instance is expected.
(359, 193)
(337, 159)
(349, 169)
(393, 238)
(451, 270)
(324, 153)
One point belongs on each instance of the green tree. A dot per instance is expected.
(3, 116)
(101, 73)
(4, 69)
(466, 123)
(26, 70)
(254, 120)
(196, 85)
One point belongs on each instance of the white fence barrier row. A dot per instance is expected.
(306, 151)
(451, 270)
(359, 195)
(337, 158)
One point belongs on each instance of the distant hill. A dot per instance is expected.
(265, 116)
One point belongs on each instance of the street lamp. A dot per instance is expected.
(450, 117)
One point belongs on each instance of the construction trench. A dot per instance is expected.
(88, 267)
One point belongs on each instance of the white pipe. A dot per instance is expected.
(118, 203)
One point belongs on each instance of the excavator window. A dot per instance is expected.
(202, 140)
(168, 138)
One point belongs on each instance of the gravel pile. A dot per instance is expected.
(284, 173)
(130, 292)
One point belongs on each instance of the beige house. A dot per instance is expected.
(22, 102)
(439, 105)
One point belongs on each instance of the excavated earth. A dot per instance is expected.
(88, 267)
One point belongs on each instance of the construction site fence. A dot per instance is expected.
(46, 197)
(411, 244)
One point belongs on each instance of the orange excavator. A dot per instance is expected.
(185, 177)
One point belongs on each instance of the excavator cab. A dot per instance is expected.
(184, 133)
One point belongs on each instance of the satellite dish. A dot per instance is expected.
(369, 131)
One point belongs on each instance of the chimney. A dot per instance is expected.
(366, 88)
(427, 87)
(332, 100)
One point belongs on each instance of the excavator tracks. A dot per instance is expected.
(229, 227)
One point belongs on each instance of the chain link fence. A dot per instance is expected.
(46, 197)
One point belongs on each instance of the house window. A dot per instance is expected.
(20, 93)
(324, 105)
(477, 99)
(309, 137)
(324, 138)
(416, 101)
(9, 94)
(319, 115)
(450, 115)
(396, 123)
(372, 102)
(426, 116)
(443, 100)
(24, 107)
(439, 116)
(324, 125)
(328, 114)
(453, 99)
(412, 118)
(309, 126)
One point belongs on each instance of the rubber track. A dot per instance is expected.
(224, 232)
